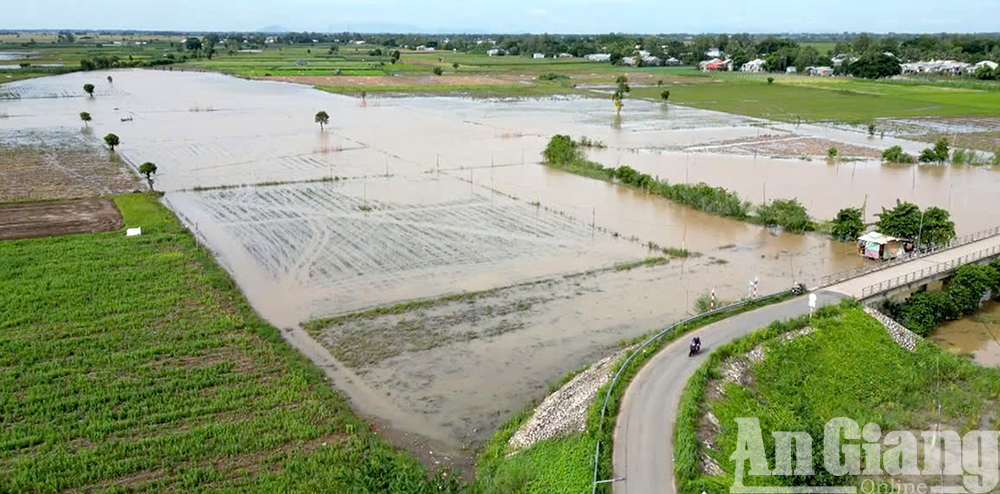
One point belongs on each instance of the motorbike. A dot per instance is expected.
(695, 348)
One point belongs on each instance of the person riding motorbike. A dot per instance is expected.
(695, 346)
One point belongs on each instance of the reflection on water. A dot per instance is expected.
(978, 334)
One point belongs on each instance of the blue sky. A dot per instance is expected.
(552, 16)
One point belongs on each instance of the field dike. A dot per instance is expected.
(795, 375)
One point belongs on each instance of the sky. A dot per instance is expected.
(510, 16)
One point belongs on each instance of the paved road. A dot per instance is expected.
(643, 449)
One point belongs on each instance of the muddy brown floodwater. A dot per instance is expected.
(976, 334)
(416, 198)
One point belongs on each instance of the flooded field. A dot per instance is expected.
(415, 198)
(45, 163)
(976, 334)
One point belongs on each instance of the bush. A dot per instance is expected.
(787, 213)
(665, 95)
(895, 154)
(770, 80)
(561, 150)
(438, 71)
(924, 311)
(551, 76)
(831, 153)
(848, 224)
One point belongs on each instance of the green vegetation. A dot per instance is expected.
(133, 364)
(85, 117)
(895, 154)
(620, 91)
(148, 169)
(907, 221)
(566, 464)
(322, 119)
(849, 367)
(112, 140)
(923, 311)
(939, 153)
(563, 153)
(848, 225)
(831, 153)
(89, 89)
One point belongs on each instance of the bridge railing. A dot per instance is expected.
(908, 278)
(832, 279)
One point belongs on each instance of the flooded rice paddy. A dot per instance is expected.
(417, 198)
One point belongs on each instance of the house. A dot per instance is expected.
(755, 65)
(985, 63)
(598, 57)
(875, 245)
(538, 55)
(791, 70)
(652, 61)
(715, 64)
(565, 55)
(713, 52)
(301, 63)
(643, 53)
(627, 61)
(821, 71)
(493, 52)
(672, 61)
(359, 42)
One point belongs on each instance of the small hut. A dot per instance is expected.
(875, 245)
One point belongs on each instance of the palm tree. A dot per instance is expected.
(619, 94)
(85, 117)
(322, 119)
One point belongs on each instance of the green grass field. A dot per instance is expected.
(833, 99)
(133, 364)
(850, 367)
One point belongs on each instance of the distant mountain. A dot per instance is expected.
(274, 29)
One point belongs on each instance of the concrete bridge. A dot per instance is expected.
(888, 279)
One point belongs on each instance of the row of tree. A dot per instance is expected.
(961, 296)
(906, 221)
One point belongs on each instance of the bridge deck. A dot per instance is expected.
(855, 286)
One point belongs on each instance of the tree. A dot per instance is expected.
(148, 169)
(112, 141)
(437, 71)
(85, 117)
(455, 66)
(875, 66)
(665, 95)
(770, 80)
(937, 226)
(831, 153)
(941, 150)
(561, 150)
(110, 80)
(848, 224)
(787, 213)
(89, 89)
(620, 91)
(322, 119)
(902, 221)
(192, 44)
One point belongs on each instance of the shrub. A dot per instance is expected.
(665, 95)
(438, 71)
(831, 153)
(923, 311)
(770, 80)
(552, 76)
(895, 154)
(561, 150)
(871, 131)
(786, 213)
(848, 224)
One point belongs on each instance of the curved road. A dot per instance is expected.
(643, 441)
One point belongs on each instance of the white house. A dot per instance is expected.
(565, 55)
(821, 71)
(755, 65)
(598, 57)
(673, 61)
(713, 52)
(985, 63)
(492, 52)
(538, 55)
(791, 70)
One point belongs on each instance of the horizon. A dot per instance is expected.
(518, 17)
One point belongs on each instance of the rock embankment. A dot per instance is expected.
(564, 411)
(904, 337)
